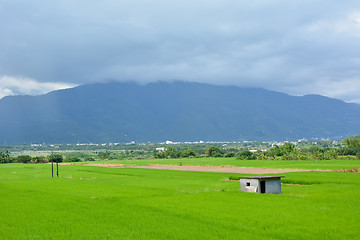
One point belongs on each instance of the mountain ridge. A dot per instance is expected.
(178, 111)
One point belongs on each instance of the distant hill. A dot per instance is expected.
(178, 111)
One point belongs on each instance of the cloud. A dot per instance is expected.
(291, 46)
(25, 86)
(341, 27)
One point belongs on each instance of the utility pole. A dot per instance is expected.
(52, 164)
(57, 168)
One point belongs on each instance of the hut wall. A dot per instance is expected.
(253, 185)
(273, 186)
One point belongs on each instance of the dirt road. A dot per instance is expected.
(225, 169)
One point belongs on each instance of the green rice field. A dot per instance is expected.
(88, 202)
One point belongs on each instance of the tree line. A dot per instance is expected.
(287, 151)
(350, 149)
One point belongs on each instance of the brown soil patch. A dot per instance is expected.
(224, 169)
(348, 170)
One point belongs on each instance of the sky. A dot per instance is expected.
(297, 47)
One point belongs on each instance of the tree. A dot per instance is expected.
(187, 153)
(170, 152)
(55, 157)
(103, 155)
(352, 145)
(4, 156)
(245, 155)
(214, 151)
(286, 149)
(275, 151)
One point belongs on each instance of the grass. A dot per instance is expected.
(306, 164)
(103, 203)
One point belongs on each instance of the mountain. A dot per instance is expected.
(178, 111)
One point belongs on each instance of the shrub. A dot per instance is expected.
(72, 159)
(217, 154)
(234, 178)
(23, 159)
(290, 156)
(115, 157)
(38, 159)
(89, 159)
(159, 155)
(229, 154)
(303, 157)
(262, 156)
(171, 152)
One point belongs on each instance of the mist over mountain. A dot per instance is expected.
(178, 111)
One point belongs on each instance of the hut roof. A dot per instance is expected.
(262, 177)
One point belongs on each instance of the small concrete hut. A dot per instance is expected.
(261, 184)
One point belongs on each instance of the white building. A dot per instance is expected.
(160, 149)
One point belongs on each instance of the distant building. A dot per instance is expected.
(160, 149)
(261, 184)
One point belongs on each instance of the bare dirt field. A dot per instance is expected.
(225, 169)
